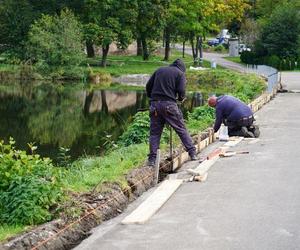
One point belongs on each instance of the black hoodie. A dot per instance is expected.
(167, 83)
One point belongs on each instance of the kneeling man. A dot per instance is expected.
(234, 114)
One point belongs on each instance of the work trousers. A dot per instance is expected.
(234, 127)
(162, 112)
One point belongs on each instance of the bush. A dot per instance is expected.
(200, 118)
(29, 186)
(273, 61)
(138, 131)
(202, 112)
(219, 48)
(248, 57)
(55, 42)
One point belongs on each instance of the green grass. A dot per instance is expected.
(235, 59)
(7, 231)
(86, 173)
(120, 65)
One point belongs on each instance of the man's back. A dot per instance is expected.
(167, 83)
(232, 108)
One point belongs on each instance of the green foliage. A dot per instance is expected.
(7, 231)
(280, 32)
(248, 57)
(88, 173)
(64, 157)
(29, 186)
(202, 113)
(15, 20)
(138, 130)
(219, 48)
(200, 118)
(273, 61)
(226, 81)
(55, 43)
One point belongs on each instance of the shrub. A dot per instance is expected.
(248, 57)
(273, 61)
(200, 118)
(29, 186)
(56, 42)
(138, 131)
(219, 48)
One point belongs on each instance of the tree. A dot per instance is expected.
(15, 20)
(249, 31)
(150, 22)
(56, 41)
(201, 17)
(281, 31)
(112, 21)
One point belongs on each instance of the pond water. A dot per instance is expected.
(69, 116)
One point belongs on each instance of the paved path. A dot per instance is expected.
(249, 202)
(219, 59)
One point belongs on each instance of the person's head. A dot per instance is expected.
(212, 101)
(179, 64)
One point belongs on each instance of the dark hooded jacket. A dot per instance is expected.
(167, 83)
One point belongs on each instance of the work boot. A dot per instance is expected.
(247, 133)
(194, 157)
(151, 163)
(255, 130)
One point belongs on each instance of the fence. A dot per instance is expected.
(270, 73)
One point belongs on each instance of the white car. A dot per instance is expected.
(243, 47)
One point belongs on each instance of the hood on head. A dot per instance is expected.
(179, 64)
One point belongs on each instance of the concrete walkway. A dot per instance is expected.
(248, 202)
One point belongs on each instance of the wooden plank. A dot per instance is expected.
(203, 167)
(233, 143)
(156, 200)
(184, 158)
(204, 144)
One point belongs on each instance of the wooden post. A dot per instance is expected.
(156, 170)
(199, 141)
(179, 157)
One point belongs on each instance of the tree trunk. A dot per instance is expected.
(193, 48)
(87, 103)
(197, 47)
(200, 50)
(105, 49)
(139, 48)
(145, 49)
(90, 49)
(183, 49)
(167, 43)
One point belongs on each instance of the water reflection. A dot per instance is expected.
(71, 116)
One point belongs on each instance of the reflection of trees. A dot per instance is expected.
(55, 116)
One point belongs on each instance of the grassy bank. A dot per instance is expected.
(116, 65)
(236, 59)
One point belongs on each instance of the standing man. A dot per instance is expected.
(234, 114)
(164, 88)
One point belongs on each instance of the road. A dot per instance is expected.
(249, 202)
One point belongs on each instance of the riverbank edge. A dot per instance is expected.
(63, 234)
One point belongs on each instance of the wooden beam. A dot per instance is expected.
(156, 200)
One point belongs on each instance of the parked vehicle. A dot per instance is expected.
(216, 41)
(243, 47)
(224, 34)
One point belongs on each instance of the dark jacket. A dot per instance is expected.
(167, 83)
(231, 109)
